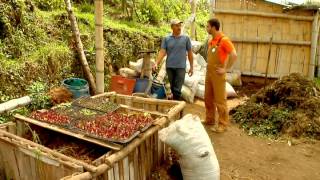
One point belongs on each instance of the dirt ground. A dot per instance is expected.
(246, 157)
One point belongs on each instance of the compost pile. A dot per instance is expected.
(289, 106)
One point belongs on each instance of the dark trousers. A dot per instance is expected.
(176, 78)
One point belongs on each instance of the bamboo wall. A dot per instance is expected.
(251, 33)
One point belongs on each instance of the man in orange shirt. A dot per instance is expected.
(220, 49)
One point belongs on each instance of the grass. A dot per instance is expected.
(317, 81)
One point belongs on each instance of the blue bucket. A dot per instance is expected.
(141, 85)
(158, 90)
(78, 87)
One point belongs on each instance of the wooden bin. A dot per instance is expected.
(132, 161)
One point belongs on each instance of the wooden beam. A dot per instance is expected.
(314, 42)
(112, 146)
(267, 41)
(262, 14)
(99, 46)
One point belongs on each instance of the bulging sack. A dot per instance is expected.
(197, 157)
(127, 72)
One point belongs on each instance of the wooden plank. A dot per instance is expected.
(9, 161)
(112, 146)
(265, 41)
(144, 110)
(116, 171)
(263, 14)
(110, 174)
(156, 154)
(131, 166)
(136, 164)
(121, 170)
(144, 161)
(126, 168)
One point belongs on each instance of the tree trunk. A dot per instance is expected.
(83, 60)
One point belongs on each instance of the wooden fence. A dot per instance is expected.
(251, 23)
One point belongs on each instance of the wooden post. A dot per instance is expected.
(269, 57)
(212, 6)
(193, 23)
(314, 40)
(83, 58)
(318, 51)
(99, 45)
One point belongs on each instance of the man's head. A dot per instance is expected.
(213, 26)
(176, 26)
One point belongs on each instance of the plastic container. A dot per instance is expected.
(141, 85)
(78, 87)
(122, 85)
(158, 90)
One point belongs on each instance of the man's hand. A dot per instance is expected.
(220, 71)
(155, 67)
(190, 73)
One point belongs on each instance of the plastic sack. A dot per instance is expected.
(229, 89)
(201, 61)
(127, 72)
(189, 138)
(192, 81)
(196, 66)
(200, 91)
(137, 66)
(188, 94)
(196, 45)
(234, 78)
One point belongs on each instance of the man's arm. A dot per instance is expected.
(232, 58)
(190, 57)
(161, 55)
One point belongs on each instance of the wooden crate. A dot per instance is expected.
(23, 159)
(132, 161)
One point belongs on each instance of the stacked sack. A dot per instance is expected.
(190, 140)
(134, 69)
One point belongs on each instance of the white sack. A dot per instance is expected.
(189, 138)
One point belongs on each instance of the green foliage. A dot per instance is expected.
(317, 81)
(149, 12)
(86, 8)
(260, 120)
(38, 93)
(19, 32)
(49, 5)
(8, 116)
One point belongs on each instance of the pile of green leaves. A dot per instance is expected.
(289, 106)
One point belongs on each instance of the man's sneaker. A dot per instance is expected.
(219, 129)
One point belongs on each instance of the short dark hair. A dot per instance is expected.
(214, 23)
